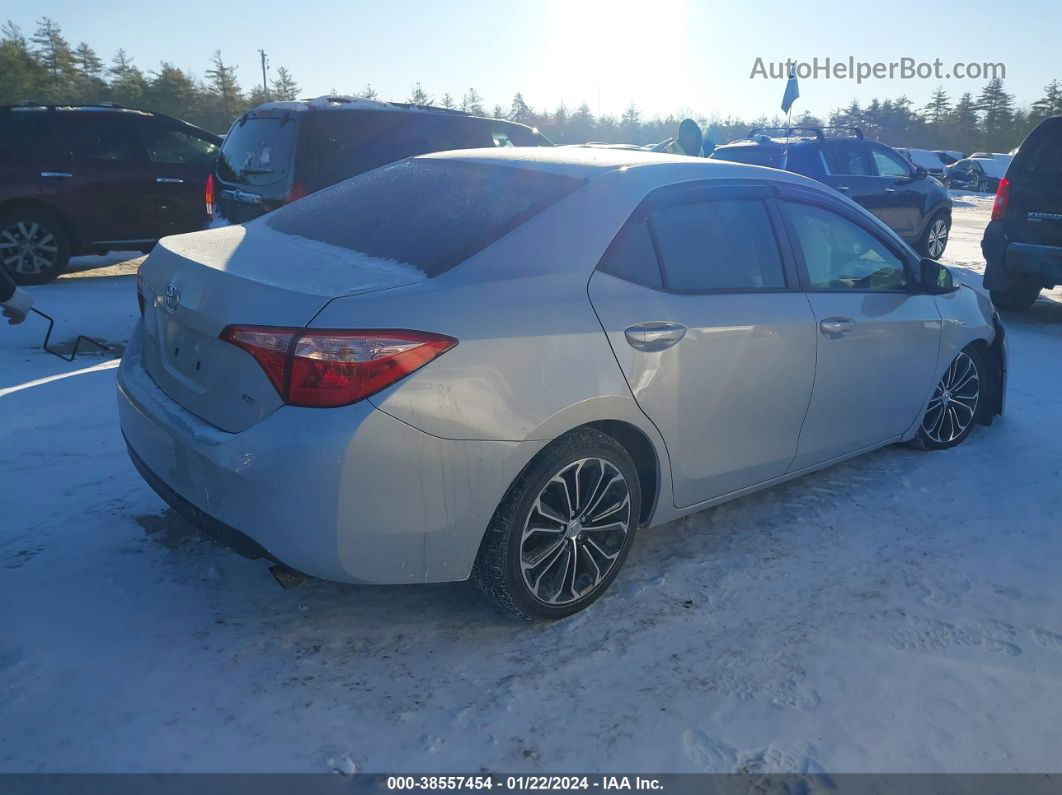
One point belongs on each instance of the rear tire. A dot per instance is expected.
(34, 247)
(1021, 294)
(935, 238)
(561, 534)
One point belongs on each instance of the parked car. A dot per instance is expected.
(948, 156)
(980, 174)
(502, 364)
(282, 151)
(1022, 243)
(89, 178)
(902, 195)
(930, 161)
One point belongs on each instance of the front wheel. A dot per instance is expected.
(560, 536)
(935, 238)
(956, 403)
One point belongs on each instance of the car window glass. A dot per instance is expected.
(840, 254)
(633, 257)
(713, 245)
(91, 136)
(888, 164)
(752, 155)
(425, 212)
(169, 145)
(846, 158)
(257, 151)
(1042, 155)
(340, 144)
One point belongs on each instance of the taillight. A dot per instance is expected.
(208, 197)
(999, 207)
(295, 192)
(318, 368)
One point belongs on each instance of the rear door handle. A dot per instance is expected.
(56, 174)
(656, 336)
(170, 180)
(834, 327)
(843, 188)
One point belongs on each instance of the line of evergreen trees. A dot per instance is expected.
(47, 68)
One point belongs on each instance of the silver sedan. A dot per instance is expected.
(502, 364)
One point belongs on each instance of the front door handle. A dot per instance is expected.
(56, 174)
(653, 337)
(843, 188)
(834, 327)
(170, 180)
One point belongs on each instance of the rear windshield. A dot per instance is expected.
(428, 213)
(753, 155)
(257, 151)
(1041, 155)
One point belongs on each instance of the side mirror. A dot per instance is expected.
(936, 279)
(920, 172)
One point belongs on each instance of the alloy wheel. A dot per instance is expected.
(953, 407)
(575, 531)
(938, 238)
(28, 247)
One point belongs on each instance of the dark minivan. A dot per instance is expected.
(1023, 241)
(90, 178)
(282, 151)
(903, 195)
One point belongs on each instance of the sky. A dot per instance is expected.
(673, 57)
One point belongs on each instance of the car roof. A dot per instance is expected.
(653, 169)
(336, 103)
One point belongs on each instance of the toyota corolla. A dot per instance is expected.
(502, 364)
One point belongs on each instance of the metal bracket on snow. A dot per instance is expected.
(77, 343)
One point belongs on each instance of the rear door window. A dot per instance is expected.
(847, 158)
(432, 214)
(632, 256)
(727, 244)
(166, 144)
(887, 163)
(257, 151)
(752, 155)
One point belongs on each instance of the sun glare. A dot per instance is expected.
(609, 54)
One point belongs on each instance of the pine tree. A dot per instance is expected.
(498, 112)
(369, 92)
(472, 103)
(55, 56)
(963, 124)
(127, 82)
(520, 111)
(581, 126)
(1050, 104)
(283, 86)
(22, 78)
(227, 98)
(90, 84)
(938, 107)
(998, 109)
(419, 96)
(630, 124)
(447, 102)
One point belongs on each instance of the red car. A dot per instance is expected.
(91, 178)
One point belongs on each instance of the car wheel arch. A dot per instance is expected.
(38, 205)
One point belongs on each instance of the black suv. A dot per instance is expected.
(90, 178)
(282, 151)
(1023, 241)
(904, 196)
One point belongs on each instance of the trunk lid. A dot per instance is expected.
(195, 285)
(254, 168)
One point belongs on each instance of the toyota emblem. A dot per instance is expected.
(173, 297)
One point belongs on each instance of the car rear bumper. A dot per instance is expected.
(349, 494)
(1004, 257)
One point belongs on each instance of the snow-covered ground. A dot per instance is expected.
(897, 613)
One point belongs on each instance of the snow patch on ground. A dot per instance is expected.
(895, 613)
